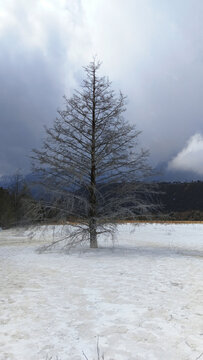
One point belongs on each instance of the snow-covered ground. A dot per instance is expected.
(142, 297)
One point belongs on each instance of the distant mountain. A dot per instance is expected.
(9, 181)
(180, 199)
(166, 175)
(163, 174)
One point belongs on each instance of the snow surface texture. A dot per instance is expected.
(142, 297)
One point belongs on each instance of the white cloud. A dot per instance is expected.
(191, 157)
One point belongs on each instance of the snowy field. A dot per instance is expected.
(142, 297)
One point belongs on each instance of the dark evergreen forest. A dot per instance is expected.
(179, 201)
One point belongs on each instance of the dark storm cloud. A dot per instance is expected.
(154, 49)
(151, 49)
(28, 98)
(34, 68)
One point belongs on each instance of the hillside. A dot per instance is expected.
(182, 200)
(179, 201)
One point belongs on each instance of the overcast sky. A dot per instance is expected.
(151, 49)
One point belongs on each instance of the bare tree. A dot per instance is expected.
(90, 163)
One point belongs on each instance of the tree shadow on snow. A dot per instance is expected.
(136, 251)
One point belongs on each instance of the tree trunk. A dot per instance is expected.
(92, 214)
(93, 234)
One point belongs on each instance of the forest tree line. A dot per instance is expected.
(179, 201)
(13, 206)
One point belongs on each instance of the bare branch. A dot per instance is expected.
(90, 164)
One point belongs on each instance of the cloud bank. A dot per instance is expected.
(152, 50)
(190, 158)
(39, 59)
